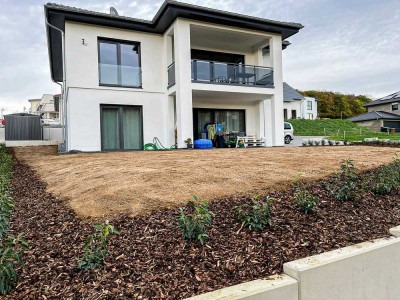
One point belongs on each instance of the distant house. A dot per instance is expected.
(296, 106)
(382, 114)
(45, 106)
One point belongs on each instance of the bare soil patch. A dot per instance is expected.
(102, 184)
(149, 259)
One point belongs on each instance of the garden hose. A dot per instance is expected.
(157, 146)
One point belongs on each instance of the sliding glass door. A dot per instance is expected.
(121, 128)
(232, 120)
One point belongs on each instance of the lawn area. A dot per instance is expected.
(337, 129)
(108, 183)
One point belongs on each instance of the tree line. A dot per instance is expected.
(336, 105)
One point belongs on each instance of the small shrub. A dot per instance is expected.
(317, 143)
(331, 143)
(194, 225)
(323, 142)
(10, 258)
(95, 247)
(346, 184)
(346, 142)
(387, 178)
(6, 206)
(310, 143)
(305, 200)
(255, 216)
(337, 143)
(304, 143)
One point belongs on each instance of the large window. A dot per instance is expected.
(231, 120)
(119, 63)
(121, 127)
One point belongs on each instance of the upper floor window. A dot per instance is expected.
(395, 106)
(119, 63)
(309, 105)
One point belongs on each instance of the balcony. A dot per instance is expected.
(231, 74)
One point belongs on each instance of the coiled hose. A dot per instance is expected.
(157, 146)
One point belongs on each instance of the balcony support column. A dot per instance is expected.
(184, 105)
(275, 120)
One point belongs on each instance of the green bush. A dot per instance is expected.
(194, 225)
(95, 248)
(10, 258)
(346, 185)
(305, 200)
(255, 216)
(387, 178)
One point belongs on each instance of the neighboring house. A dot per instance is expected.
(296, 106)
(389, 104)
(46, 107)
(382, 114)
(128, 80)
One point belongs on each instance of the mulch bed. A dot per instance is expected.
(149, 259)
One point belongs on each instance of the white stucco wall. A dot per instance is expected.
(163, 109)
(293, 105)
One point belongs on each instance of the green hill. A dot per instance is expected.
(337, 129)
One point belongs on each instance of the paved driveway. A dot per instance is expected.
(299, 139)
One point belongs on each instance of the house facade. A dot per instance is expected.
(383, 114)
(126, 81)
(46, 107)
(296, 106)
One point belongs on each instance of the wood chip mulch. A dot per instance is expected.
(149, 259)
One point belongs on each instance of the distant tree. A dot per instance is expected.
(335, 105)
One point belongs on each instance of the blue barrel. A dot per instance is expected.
(203, 144)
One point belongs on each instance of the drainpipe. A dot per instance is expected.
(62, 86)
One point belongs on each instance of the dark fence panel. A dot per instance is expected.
(22, 127)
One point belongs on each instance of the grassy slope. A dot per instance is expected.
(337, 130)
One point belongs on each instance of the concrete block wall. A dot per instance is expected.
(366, 271)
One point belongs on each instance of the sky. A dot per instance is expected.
(348, 46)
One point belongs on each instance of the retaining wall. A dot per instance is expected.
(366, 271)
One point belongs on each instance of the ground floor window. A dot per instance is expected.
(285, 113)
(121, 127)
(294, 114)
(231, 120)
(310, 116)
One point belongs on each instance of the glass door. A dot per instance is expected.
(121, 128)
(110, 128)
(132, 128)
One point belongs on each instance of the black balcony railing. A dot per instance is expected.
(171, 74)
(227, 73)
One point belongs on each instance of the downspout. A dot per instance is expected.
(62, 86)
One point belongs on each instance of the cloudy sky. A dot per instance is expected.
(349, 46)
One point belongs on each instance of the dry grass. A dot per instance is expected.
(107, 183)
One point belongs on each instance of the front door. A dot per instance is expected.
(121, 128)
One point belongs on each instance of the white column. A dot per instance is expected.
(184, 107)
(277, 99)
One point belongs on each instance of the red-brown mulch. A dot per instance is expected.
(149, 258)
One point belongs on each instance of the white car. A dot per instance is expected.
(288, 133)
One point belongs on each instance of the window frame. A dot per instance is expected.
(309, 105)
(118, 43)
(120, 108)
(395, 104)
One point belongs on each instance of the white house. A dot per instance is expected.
(126, 81)
(296, 106)
(46, 106)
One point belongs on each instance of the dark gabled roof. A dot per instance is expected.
(169, 11)
(290, 94)
(375, 115)
(385, 100)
